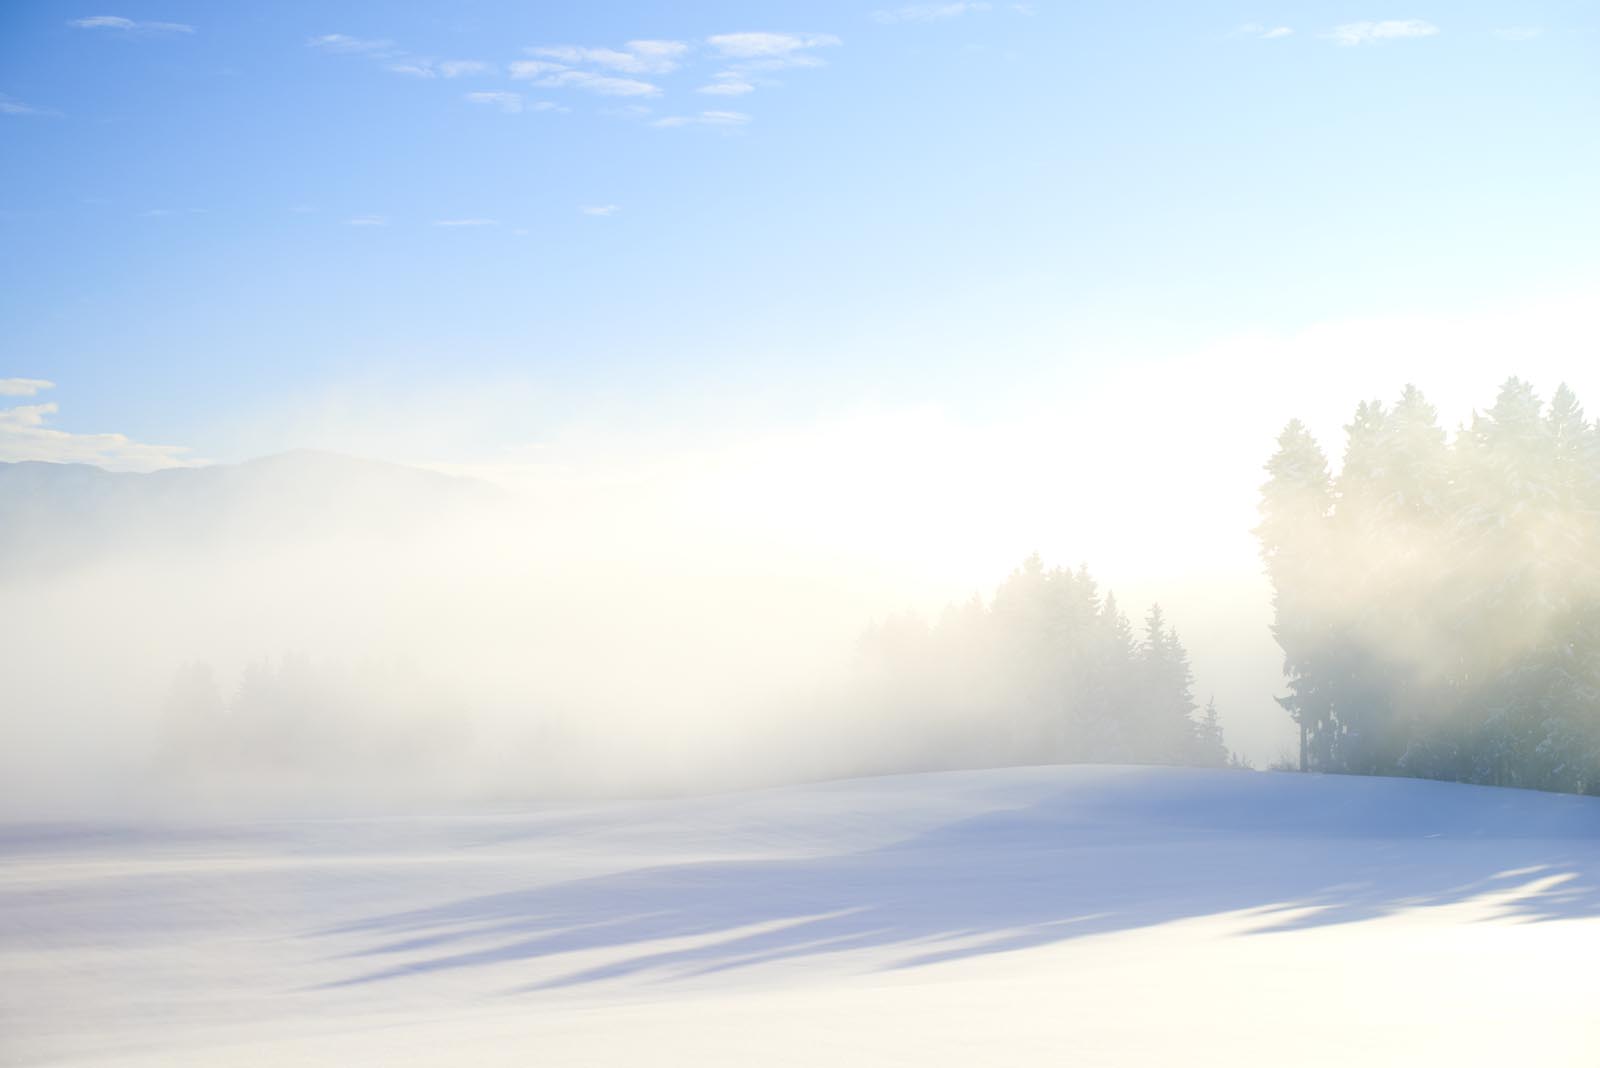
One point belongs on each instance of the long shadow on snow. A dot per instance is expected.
(1147, 847)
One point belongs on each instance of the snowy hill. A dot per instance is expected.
(1072, 915)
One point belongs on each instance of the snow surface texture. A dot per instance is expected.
(1068, 915)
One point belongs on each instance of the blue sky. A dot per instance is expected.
(219, 217)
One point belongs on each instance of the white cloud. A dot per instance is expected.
(340, 42)
(636, 57)
(398, 60)
(117, 22)
(1264, 33)
(461, 68)
(1356, 33)
(24, 387)
(101, 22)
(768, 45)
(421, 68)
(572, 55)
(12, 106)
(927, 12)
(535, 68)
(553, 76)
(796, 61)
(728, 83)
(25, 434)
(627, 111)
(447, 68)
(368, 220)
(658, 48)
(1518, 33)
(705, 118)
(600, 209)
(465, 222)
(510, 103)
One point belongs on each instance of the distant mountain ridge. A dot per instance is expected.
(55, 514)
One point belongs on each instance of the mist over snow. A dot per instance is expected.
(315, 627)
(311, 628)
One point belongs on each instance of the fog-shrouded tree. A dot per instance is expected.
(1165, 714)
(1437, 600)
(1047, 671)
(194, 715)
(298, 719)
(1211, 750)
(1296, 501)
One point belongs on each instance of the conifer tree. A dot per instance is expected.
(1438, 603)
(1296, 502)
(1047, 671)
(1211, 751)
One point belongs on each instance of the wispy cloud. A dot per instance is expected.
(444, 68)
(399, 60)
(1357, 33)
(630, 71)
(768, 45)
(368, 220)
(535, 68)
(705, 118)
(340, 42)
(465, 222)
(603, 84)
(600, 209)
(10, 105)
(927, 12)
(1518, 33)
(131, 26)
(25, 434)
(24, 387)
(1260, 32)
(462, 68)
(635, 57)
(510, 103)
(659, 50)
(728, 83)
(167, 213)
(554, 76)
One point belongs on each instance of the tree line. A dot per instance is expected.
(1047, 671)
(1437, 600)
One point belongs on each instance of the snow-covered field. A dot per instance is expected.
(1068, 915)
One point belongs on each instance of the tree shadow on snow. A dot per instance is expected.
(1144, 848)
